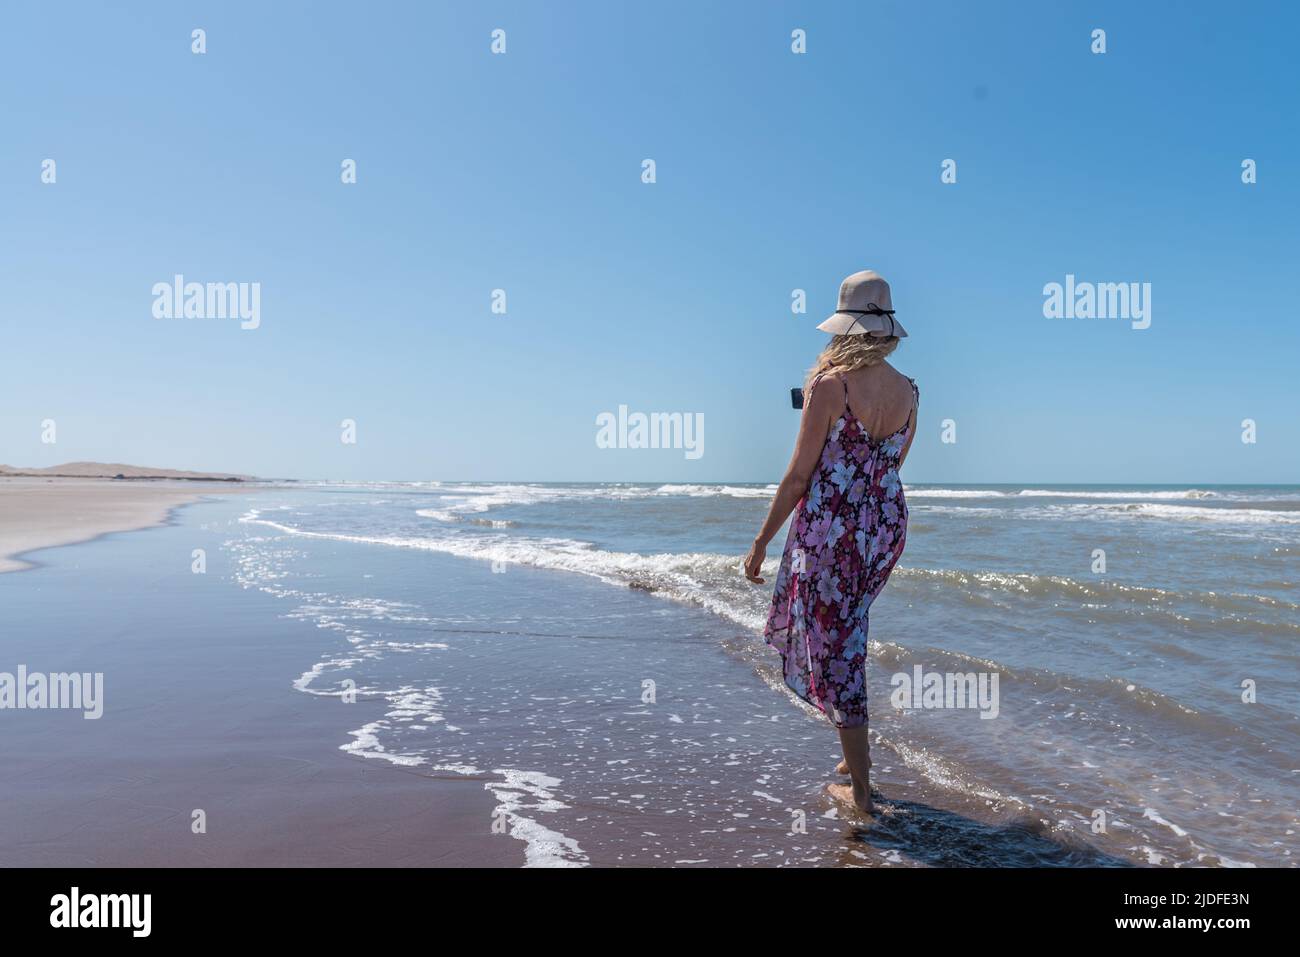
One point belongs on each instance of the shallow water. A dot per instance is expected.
(1120, 692)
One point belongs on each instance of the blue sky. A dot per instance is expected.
(522, 171)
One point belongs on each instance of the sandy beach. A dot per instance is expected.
(38, 512)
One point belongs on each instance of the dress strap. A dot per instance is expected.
(845, 386)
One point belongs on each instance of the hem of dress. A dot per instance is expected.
(809, 701)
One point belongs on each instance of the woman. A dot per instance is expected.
(850, 521)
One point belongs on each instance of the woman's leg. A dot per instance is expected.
(857, 755)
(843, 766)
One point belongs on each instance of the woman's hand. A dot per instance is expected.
(754, 561)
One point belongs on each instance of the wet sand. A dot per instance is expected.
(274, 789)
(198, 714)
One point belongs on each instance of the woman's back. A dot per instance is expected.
(880, 398)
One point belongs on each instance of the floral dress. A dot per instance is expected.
(846, 534)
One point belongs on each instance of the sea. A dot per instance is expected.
(594, 656)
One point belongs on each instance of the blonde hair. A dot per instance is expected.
(846, 353)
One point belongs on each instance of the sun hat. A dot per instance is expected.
(865, 308)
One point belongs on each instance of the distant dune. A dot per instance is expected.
(111, 470)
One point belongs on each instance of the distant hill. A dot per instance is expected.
(111, 470)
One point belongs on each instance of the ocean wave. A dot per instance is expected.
(533, 791)
(344, 484)
(712, 491)
(917, 492)
(462, 503)
(1123, 511)
(1205, 513)
(450, 515)
(1122, 494)
(512, 494)
(713, 581)
(707, 580)
(956, 511)
(1157, 495)
(1101, 590)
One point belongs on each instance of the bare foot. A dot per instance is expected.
(842, 767)
(844, 792)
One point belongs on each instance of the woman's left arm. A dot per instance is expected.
(813, 429)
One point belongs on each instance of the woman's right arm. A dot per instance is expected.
(813, 428)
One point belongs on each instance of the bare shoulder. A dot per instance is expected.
(827, 395)
(894, 373)
(890, 382)
(905, 382)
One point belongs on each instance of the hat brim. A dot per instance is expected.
(841, 323)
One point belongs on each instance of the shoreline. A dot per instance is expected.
(38, 513)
